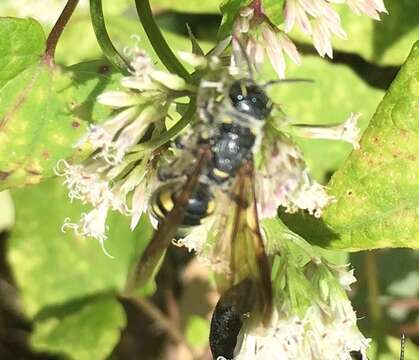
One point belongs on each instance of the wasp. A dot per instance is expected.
(212, 179)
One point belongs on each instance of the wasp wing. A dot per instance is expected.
(236, 242)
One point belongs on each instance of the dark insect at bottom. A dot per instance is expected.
(227, 319)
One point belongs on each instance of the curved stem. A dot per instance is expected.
(98, 22)
(161, 321)
(159, 44)
(57, 30)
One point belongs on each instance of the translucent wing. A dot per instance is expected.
(235, 244)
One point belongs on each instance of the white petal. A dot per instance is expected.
(117, 99)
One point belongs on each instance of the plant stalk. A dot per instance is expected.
(57, 30)
(103, 39)
(159, 44)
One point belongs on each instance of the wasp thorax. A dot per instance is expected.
(250, 99)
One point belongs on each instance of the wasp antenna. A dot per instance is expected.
(280, 81)
(402, 346)
(246, 58)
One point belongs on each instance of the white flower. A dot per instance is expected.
(142, 194)
(255, 35)
(92, 224)
(325, 329)
(276, 43)
(146, 100)
(317, 19)
(96, 183)
(282, 339)
(283, 180)
(120, 174)
(310, 196)
(346, 278)
(371, 8)
(323, 29)
(347, 131)
(101, 136)
(195, 239)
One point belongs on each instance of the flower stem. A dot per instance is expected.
(374, 305)
(99, 27)
(161, 321)
(159, 44)
(57, 30)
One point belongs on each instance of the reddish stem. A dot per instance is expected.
(257, 7)
(57, 30)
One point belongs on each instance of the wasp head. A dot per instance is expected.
(250, 99)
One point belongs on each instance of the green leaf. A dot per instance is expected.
(377, 188)
(52, 267)
(274, 9)
(229, 10)
(43, 109)
(335, 93)
(197, 331)
(22, 43)
(84, 332)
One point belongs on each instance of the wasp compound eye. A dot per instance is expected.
(249, 99)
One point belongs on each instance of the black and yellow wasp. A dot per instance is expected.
(212, 179)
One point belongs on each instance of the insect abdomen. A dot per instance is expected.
(200, 204)
(226, 324)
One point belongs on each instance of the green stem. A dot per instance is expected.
(98, 22)
(171, 133)
(374, 305)
(57, 30)
(159, 44)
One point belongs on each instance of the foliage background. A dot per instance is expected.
(58, 292)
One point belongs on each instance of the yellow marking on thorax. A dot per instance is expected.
(220, 174)
(225, 119)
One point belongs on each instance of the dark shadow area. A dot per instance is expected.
(203, 26)
(375, 75)
(70, 307)
(143, 335)
(14, 328)
(97, 70)
(314, 230)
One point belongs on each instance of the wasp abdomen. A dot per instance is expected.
(227, 319)
(226, 324)
(200, 204)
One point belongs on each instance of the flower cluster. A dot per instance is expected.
(121, 172)
(254, 34)
(312, 319)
